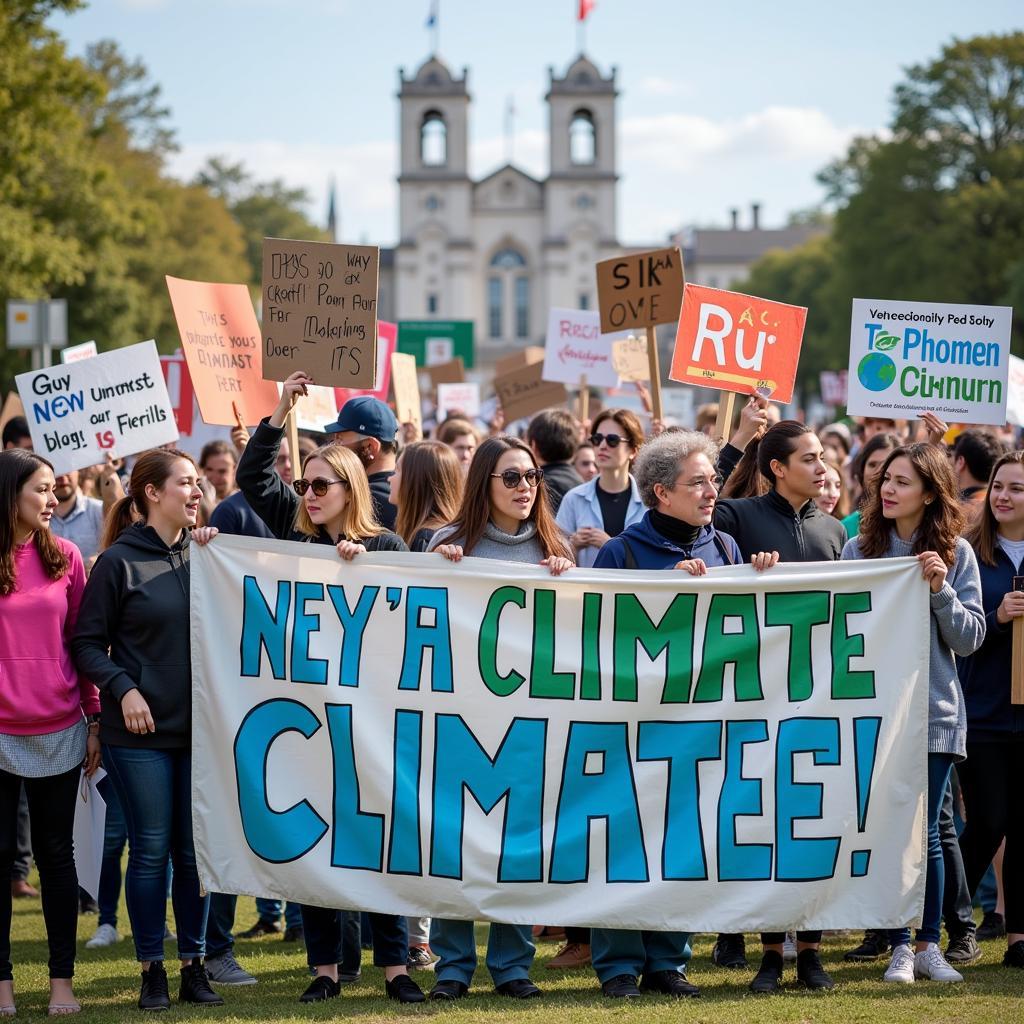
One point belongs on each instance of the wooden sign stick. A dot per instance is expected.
(655, 372)
(1017, 659)
(291, 425)
(584, 399)
(726, 414)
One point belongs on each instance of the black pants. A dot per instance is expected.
(957, 911)
(51, 804)
(581, 936)
(777, 938)
(23, 858)
(323, 934)
(990, 779)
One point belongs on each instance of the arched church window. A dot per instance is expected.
(582, 138)
(434, 139)
(508, 288)
(507, 259)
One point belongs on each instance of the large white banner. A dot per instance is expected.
(622, 749)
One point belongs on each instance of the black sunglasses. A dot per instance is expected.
(511, 478)
(614, 440)
(319, 486)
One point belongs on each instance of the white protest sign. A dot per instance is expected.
(576, 348)
(464, 398)
(314, 410)
(912, 357)
(113, 403)
(1015, 397)
(76, 353)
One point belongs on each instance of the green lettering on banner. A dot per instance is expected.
(590, 662)
(800, 612)
(741, 649)
(849, 684)
(673, 634)
(544, 680)
(498, 684)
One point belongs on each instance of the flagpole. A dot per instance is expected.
(580, 28)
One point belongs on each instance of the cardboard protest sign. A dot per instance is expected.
(114, 403)
(737, 342)
(461, 398)
(447, 373)
(1015, 393)
(521, 357)
(386, 335)
(576, 349)
(406, 384)
(523, 391)
(689, 765)
(320, 311)
(76, 353)
(643, 289)
(912, 357)
(220, 339)
(12, 407)
(629, 359)
(313, 411)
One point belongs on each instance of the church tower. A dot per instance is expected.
(580, 214)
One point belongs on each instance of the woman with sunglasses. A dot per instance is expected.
(504, 515)
(594, 512)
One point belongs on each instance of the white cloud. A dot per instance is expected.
(655, 85)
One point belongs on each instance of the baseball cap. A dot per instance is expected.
(365, 415)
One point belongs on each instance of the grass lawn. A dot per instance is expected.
(107, 985)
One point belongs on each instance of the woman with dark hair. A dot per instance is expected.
(132, 640)
(785, 519)
(914, 511)
(504, 515)
(992, 773)
(47, 713)
(594, 512)
(427, 490)
(866, 466)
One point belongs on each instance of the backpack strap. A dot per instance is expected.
(723, 550)
(628, 558)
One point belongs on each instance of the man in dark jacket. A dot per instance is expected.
(553, 435)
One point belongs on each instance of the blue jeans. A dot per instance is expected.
(115, 835)
(155, 790)
(939, 766)
(510, 951)
(270, 911)
(616, 951)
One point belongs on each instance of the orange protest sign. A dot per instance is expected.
(737, 342)
(221, 341)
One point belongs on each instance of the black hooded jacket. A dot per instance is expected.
(133, 633)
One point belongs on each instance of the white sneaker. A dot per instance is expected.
(901, 966)
(105, 935)
(931, 964)
(789, 947)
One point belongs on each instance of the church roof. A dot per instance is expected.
(433, 77)
(508, 167)
(583, 77)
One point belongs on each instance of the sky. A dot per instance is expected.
(721, 104)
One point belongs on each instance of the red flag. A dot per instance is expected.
(586, 6)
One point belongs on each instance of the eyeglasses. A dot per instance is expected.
(512, 478)
(703, 482)
(613, 440)
(319, 486)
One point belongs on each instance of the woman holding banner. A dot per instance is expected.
(504, 515)
(132, 639)
(44, 703)
(915, 511)
(594, 512)
(990, 777)
(426, 489)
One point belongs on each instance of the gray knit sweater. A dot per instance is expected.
(957, 628)
(522, 546)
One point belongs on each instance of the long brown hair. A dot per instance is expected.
(475, 512)
(152, 467)
(943, 520)
(983, 533)
(842, 509)
(17, 465)
(430, 488)
(746, 480)
(358, 519)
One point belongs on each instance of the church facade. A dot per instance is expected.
(502, 250)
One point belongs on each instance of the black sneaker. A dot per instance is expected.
(769, 975)
(669, 983)
(449, 989)
(403, 989)
(259, 929)
(321, 988)
(622, 986)
(730, 951)
(1014, 956)
(294, 933)
(809, 971)
(195, 986)
(963, 949)
(874, 944)
(993, 926)
(154, 994)
(518, 988)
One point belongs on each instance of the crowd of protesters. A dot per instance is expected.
(95, 659)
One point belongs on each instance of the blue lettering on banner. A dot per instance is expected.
(420, 638)
(358, 836)
(740, 797)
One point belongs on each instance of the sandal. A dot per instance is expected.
(10, 1010)
(63, 1009)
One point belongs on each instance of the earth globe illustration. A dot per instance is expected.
(876, 371)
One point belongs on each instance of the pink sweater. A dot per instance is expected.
(40, 688)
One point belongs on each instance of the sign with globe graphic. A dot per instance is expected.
(876, 371)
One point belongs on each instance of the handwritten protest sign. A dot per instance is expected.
(629, 358)
(320, 311)
(115, 402)
(316, 409)
(521, 357)
(524, 391)
(912, 357)
(386, 336)
(737, 342)
(415, 737)
(643, 289)
(221, 342)
(406, 385)
(462, 398)
(447, 373)
(577, 350)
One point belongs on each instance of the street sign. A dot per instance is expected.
(433, 342)
(28, 323)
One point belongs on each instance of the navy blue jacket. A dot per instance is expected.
(235, 515)
(985, 675)
(651, 550)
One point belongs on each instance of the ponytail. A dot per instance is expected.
(119, 518)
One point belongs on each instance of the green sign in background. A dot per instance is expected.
(413, 335)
